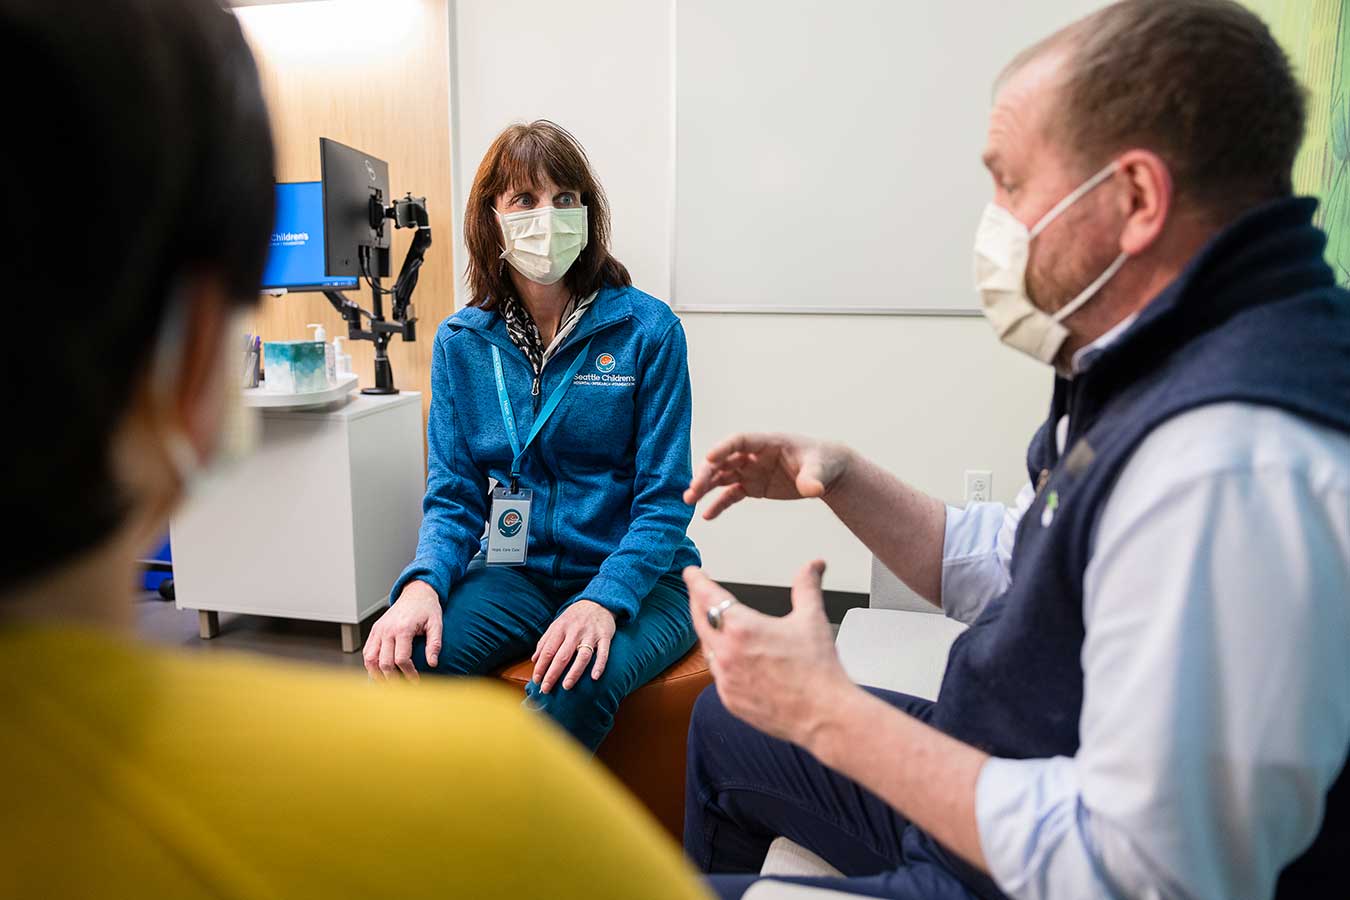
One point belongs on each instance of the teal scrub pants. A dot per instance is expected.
(495, 616)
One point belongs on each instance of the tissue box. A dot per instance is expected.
(294, 367)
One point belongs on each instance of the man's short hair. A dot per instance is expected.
(1202, 83)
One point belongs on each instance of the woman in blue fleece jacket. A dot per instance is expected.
(598, 599)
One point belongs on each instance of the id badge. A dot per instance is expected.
(509, 527)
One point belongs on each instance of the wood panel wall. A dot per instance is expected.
(373, 74)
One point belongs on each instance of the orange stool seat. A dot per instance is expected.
(646, 749)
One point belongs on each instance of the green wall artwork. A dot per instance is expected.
(1316, 35)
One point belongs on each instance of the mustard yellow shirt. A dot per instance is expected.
(134, 772)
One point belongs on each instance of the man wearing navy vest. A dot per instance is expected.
(1153, 696)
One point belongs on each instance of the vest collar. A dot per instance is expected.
(1269, 254)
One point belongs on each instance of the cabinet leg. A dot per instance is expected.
(208, 623)
(351, 637)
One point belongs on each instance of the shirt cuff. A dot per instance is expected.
(973, 571)
(1034, 829)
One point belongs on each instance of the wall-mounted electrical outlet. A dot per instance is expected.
(979, 485)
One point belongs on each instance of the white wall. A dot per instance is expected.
(825, 114)
(927, 397)
(597, 67)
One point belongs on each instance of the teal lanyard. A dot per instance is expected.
(509, 418)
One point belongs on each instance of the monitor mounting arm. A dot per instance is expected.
(407, 212)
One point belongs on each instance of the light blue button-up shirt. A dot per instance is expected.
(1216, 665)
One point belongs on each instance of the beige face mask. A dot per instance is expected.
(1002, 247)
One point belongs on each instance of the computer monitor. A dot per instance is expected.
(355, 194)
(296, 261)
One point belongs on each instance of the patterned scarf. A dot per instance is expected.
(525, 333)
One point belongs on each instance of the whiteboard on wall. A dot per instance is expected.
(827, 154)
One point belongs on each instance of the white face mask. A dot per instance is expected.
(542, 244)
(239, 426)
(1002, 247)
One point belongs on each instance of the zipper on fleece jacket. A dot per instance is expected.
(554, 480)
(550, 530)
(551, 522)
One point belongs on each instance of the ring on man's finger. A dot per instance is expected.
(715, 614)
(588, 647)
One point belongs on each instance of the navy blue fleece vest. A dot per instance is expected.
(1255, 318)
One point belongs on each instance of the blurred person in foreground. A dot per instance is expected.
(138, 210)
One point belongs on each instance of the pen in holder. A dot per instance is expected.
(252, 360)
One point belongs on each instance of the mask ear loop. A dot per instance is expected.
(1074, 196)
(183, 459)
(165, 370)
(1091, 290)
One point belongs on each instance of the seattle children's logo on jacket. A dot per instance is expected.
(509, 523)
(604, 374)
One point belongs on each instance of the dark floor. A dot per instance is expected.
(160, 622)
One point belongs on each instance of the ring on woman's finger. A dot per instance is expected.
(581, 647)
(715, 614)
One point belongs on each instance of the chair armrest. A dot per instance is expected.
(897, 650)
(787, 859)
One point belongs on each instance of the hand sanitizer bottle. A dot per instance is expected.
(329, 362)
(343, 360)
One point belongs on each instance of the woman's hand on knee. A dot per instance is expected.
(389, 647)
(579, 637)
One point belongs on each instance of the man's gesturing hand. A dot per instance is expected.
(781, 675)
(774, 466)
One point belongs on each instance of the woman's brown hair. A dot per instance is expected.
(515, 161)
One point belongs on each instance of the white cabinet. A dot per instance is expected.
(316, 524)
